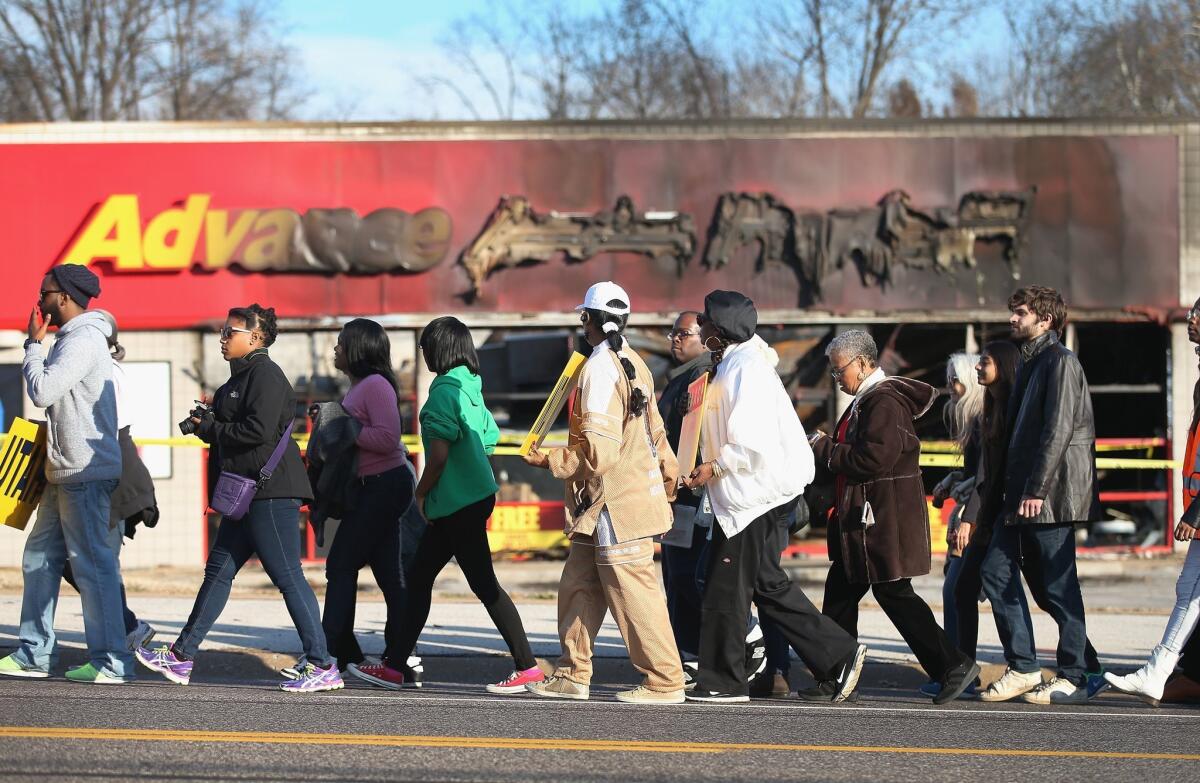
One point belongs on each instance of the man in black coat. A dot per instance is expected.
(684, 544)
(1049, 486)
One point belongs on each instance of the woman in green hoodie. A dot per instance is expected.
(457, 493)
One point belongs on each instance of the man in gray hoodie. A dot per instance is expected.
(83, 465)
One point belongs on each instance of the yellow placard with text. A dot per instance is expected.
(22, 471)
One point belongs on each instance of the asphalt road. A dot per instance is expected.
(231, 724)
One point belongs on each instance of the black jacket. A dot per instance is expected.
(672, 405)
(251, 411)
(332, 464)
(1052, 440)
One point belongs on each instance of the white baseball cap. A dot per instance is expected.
(599, 296)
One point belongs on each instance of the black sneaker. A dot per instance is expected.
(756, 653)
(850, 671)
(956, 681)
(690, 669)
(824, 691)
(716, 696)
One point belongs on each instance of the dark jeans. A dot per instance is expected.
(746, 568)
(369, 535)
(271, 530)
(463, 536)
(114, 540)
(908, 612)
(969, 583)
(1051, 548)
(680, 566)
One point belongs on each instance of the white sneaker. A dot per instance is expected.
(140, 636)
(1011, 685)
(1056, 691)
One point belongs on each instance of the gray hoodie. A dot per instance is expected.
(75, 386)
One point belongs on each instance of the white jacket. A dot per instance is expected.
(752, 430)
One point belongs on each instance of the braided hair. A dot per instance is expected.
(258, 317)
(613, 327)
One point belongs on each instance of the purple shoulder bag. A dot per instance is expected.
(233, 493)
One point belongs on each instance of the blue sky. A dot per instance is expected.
(363, 59)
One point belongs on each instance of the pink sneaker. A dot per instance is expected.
(378, 674)
(516, 682)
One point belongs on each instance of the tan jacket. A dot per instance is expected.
(608, 460)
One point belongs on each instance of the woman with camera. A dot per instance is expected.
(248, 427)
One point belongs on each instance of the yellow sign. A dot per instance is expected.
(554, 404)
(22, 472)
(519, 527)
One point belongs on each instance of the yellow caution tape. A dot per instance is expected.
(510, 447)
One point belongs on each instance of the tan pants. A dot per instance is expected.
(621, 579)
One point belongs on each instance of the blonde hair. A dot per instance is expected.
(960, 415)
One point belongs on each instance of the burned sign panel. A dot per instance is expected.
(515, 233)
(871, 240)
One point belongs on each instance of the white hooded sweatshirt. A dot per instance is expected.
(752, 430)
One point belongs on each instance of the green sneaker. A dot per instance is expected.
(11, 667)
(89, 674)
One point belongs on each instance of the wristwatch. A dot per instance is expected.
(30, 341)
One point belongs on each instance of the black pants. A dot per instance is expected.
(463, 536)
(908, 612)
(679, 566)
(1189, 662)
(746, 568)
(970, 584)
(369, 535)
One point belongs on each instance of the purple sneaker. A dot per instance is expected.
(314, 678)
(164, 661)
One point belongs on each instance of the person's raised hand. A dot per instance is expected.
(38, 325)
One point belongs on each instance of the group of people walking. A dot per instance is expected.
(1029, 477)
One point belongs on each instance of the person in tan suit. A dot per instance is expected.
(620, 476)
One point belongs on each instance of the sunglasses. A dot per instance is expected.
(44, 291)
(229, 331)
(681, 334)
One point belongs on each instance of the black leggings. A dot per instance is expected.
(463, 536)
(369, 535)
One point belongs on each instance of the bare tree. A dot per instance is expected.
(130, 59)
(903, 101)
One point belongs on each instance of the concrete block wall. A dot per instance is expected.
(178, 538)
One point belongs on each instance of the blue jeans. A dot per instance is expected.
(72, 524)
(271, 530)
(1053, 549)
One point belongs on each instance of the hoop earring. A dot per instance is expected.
(719, 346)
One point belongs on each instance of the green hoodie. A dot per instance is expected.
(456, 414)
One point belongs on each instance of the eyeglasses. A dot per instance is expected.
(836, 373)
(1192, 315)
(44, 291)
(681, 334)
(228, 332)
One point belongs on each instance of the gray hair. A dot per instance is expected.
(853, 344)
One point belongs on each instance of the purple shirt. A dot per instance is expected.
(372, 401)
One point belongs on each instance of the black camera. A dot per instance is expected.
(202, 409)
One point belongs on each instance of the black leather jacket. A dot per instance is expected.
(1052, 441)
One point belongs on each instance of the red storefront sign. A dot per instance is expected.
(180, 232)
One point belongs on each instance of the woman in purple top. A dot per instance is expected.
(369, 533)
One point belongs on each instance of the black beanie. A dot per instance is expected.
(732, 313)
(77, 282)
